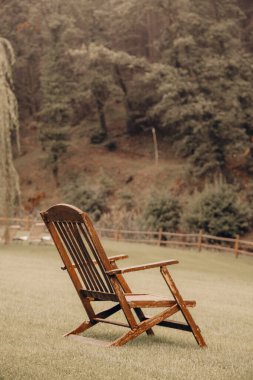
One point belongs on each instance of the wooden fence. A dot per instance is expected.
(22, 230)
(198, 241)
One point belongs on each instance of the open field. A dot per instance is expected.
(39, 304)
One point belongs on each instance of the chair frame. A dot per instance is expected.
(65, 223)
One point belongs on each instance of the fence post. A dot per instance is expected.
(6, 235)
(155, 145)
(200, 240)
(159, 237)
(26, 223)
(117, 235)
(236, 247)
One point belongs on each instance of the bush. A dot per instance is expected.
(163, 212)
(127, 202)
(120, 219)
(98, 137)
(88, 199)
(111, 146)
(105, 184)
(217, 210)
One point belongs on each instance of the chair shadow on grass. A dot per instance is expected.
(144, 341)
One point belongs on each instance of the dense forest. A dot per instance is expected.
(183, 68)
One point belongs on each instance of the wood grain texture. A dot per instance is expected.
(147, 324)
(135, 268)
(149, 300)
(181, 303)
(125, 287)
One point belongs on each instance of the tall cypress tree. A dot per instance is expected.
(9, 126)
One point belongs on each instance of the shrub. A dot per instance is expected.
(217, 210)
(163, 212)
(98, 137)
(88, 199)
(105, 184)
(127, 202)
(120, 219)
(111, 146)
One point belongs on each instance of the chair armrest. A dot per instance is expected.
(112, 258)
(119, 257)
(142, 267)
(71, 266)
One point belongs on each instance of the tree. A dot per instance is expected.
(110, 73)
(96, 84)
(9, 126)
(57, 84)
(184, 67)
(21, 25)
(218, 211)
(205, 98)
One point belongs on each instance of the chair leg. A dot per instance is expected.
(127, 289)
(145, 325)
(142, 317)
(178, 298)
(84, 326)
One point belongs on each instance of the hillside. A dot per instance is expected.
(92, 72)
(131, 167)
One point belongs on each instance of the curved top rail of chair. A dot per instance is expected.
(63, 212)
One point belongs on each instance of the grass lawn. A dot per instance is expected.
(38, 304)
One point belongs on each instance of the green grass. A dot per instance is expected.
(39, 304)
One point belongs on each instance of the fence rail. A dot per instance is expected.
(11, 228)
(199, 240)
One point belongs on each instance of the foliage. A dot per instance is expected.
(163, 212)
(111, 145)
(9, 125)
(106, 184)
(184, 67)
(88, 199)
(92, 198)
(205, 97)
(122, 219)
(23, 31)
(127, 201)
(111, 74)
(247, 198)
(217, 210)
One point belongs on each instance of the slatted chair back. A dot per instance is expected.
(80, 250)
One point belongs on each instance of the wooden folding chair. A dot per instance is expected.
(96, 277)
